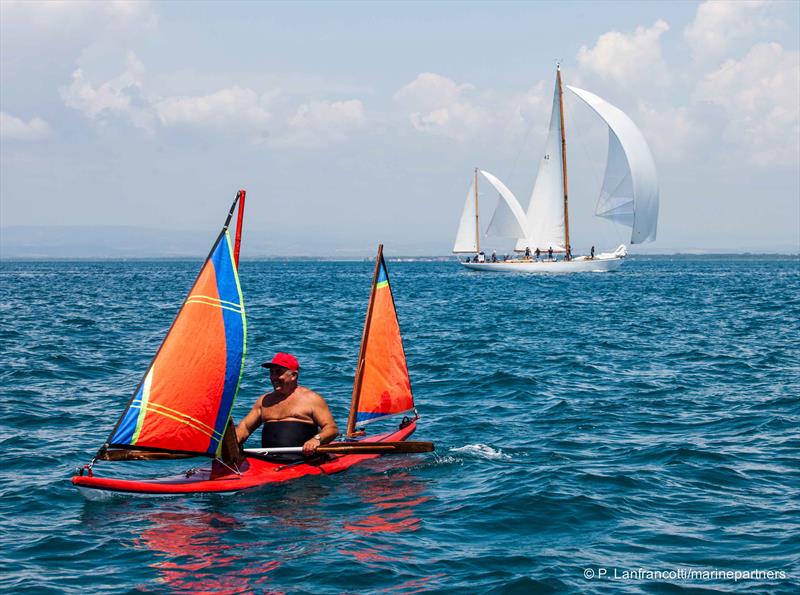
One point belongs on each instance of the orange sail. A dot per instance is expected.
(184, 401)
(382, 386)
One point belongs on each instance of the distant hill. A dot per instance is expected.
(122, 241)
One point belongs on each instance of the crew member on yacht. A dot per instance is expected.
(292, 415)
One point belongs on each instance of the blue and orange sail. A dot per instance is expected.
(184, 401)
(382, 386)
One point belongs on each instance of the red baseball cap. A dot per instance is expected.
(284, 360)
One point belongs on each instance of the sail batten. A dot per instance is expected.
(185, 399)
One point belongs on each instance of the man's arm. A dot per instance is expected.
(328, 430)
(249, 423)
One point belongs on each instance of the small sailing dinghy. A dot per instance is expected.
(182, 407)
(629, 196)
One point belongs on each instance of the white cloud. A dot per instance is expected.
(627, 58)
(232, 108)
(430, 91)
(760, 96)
(12, 128)
(323, 122)
(40, 39)
(437, 105)
(66, 18)
(120, 97)
(719, 25)
(672, 132)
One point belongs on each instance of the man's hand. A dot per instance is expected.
(310, 446)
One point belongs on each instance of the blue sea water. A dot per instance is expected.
(586, 426)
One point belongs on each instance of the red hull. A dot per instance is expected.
(254, 473)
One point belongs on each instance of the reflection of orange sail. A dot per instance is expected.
(381, 386)
(194, 557)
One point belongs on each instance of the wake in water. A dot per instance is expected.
(482, 451)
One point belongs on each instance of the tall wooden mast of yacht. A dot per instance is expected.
(563, 155)
(477, 226)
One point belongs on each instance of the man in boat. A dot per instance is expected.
(292, 415)
(538, 253)
(592, 253)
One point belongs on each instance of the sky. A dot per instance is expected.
(351, 124)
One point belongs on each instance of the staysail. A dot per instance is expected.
(382, 386)
(467, 234)
(630, 187)
(509, 219)
(184, 401)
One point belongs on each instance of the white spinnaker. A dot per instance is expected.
(546, 209)
(630, 187)
(466, 238)
(509, 219)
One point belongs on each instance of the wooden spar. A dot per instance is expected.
(119, 454)
(239, 220)
(356, 448)
(563, 155)
(351, 418)
(477, 226)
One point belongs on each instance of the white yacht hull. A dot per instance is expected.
(599, 264)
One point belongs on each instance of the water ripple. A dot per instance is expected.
(644, 419)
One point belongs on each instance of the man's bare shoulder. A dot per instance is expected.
(308, 395)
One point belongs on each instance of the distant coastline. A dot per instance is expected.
(89, 242)
(400, 258)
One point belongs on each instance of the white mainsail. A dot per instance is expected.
(630, 187)
(509, 218)
(546, 209)
(466, 236)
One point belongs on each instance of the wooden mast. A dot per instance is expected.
(563, 155)
(477, 226)
(239, 220)
(351, 418)
(229, 451)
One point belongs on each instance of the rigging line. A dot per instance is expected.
(183, 421)
(613, 193)
(582, 143)
(213, 305)
(150, 406)
(213, 299)
(186, 415)
(231, 469)
(521, 149)
(384, 416)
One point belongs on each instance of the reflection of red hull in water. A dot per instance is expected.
(255, 472)
(193, 557)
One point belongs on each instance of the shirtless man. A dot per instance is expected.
(292, 415)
